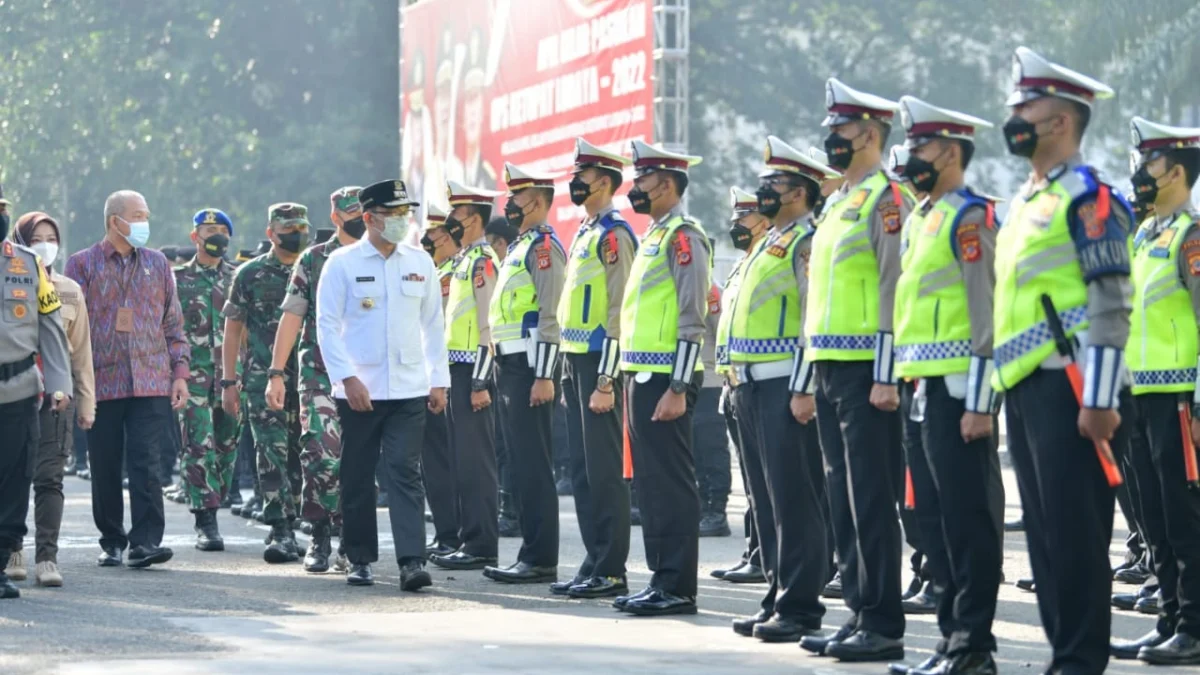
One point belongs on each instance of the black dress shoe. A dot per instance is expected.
(461, 560)
(598, 587)
(782, 629)
(745, 625)
(413, 576)
(1124, 601)
(1017, 525)
(905, 669)
(749, 574)
(1027, 584)
(660, 603)
(833, 589)
(914, 587)
(521, 573)
(110, 557)
(865, 645)
(1128, 649)
(438, 548)
(1149, 605)
(1135, 574)
(84, 473)
(714, 525)
(720, 573)
(817, 644)
(8, 590)
(360, 575)
(1181, 650)
(620, 601)
(970, 663)
(925, 602)
(564, 587)
(145, 556)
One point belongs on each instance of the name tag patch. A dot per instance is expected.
(364, 280)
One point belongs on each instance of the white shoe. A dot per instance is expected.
(16, 567)
(47, 574)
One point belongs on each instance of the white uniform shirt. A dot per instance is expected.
(381, 320)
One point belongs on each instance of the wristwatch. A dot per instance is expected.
(225, 384)
(604, 384)
(275, 372)
(678, 386)
(479, 385)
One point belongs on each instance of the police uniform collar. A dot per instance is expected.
(604, 211)
(1033, 186)
(676, 210)
(878, 168)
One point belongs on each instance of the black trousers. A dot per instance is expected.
(19, 429)
(172, 448)
(596, 469)
(1068, 517)
(714, 470)
(504, 467)
(959, 480)
(473, 438)
(787, 483)
(528, 432)
(752, 554)
(132, 429)
(923, 524)
(864, 471)
(664, 474)
(397, 429)
(438, 469)
(1171, 511)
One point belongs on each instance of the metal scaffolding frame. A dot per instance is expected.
(671, 45)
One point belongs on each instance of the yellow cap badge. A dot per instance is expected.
(210, 217)
(368, 303)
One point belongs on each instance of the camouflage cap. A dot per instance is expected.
(287, 213)
(345, 199)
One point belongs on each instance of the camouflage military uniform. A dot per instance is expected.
(320, 430)
(259, 287)
(210, 435)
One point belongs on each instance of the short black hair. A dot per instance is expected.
(484, 212)
(546, 193)
(499, 227)
(680, 180)
(1082, 114)
(1189, 159)
(884, 129)
(968, 151)
(812, 192)
(615, 176)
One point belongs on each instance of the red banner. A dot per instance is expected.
(489, 81)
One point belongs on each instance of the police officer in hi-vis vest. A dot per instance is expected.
(848, 327)
(943, 324)
(525, 341)
(590, 315)
(469, 339)
(748, 227)
(1162, 355)
(773, 396)
(662, 321)
(1065, 245)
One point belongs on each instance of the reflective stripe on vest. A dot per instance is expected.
(933, 329)
(843, 281)
(462, 333)
(513, 313)
(1163, 343)
(767, 312)
(583, 309)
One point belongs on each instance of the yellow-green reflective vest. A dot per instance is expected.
(514, 309)
(1163, 345)
(766, 313)
(444, 272)
(583, 308)
(728, 295)
(932, 324)
(462, 329)
(1035, 256)
(650, 309)
(843, 278)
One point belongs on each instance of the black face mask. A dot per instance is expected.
(921, 174)
(768, 202)
(427, 244)
(356, 228)
(1021, 136)
(840, 151)
(515, 215)
(455, 229)
(292, 242)
(580, 191)
(1145, 187)
(216, 245)
(741, 236)
(1141, 210)
(4, 221)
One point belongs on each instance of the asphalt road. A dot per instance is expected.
(232, 613)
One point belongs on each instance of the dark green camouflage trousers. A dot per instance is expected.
(320, 456)
(277, 444)
(209, 449)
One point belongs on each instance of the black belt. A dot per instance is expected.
(11, 370)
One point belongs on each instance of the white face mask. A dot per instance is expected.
(47, 251)
(395, 228)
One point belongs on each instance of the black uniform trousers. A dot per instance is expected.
(19, 429)
(473, 437)
(597, 469)
(864, 472)
(1171, 511)
(664, 475)
(714, 471)
(395, 428)
(130, 429)
(527, 431)
(752, 554)
(438, 470)
(955, 485)
(786, 472)
(1068, 516)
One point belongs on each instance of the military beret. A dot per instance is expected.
(212, 217)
